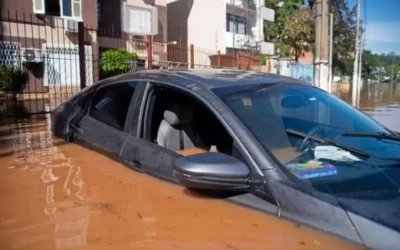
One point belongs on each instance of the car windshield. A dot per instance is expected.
(320, 139)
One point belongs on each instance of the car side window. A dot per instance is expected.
(84, 100)
(110, 104)
(180, 123)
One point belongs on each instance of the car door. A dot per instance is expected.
(142, 155)
(103, 125)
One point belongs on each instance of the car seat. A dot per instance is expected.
(176, 131)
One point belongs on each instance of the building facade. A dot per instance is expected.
(224, 25)
(126, 23)
(42, 36)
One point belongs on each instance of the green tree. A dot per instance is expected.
(389, 59)
(344, 30)
(370, 62)
(299, 32)
(396, 71)
(273, 32)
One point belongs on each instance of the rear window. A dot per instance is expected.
(110, 104)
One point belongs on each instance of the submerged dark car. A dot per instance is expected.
(267, 142)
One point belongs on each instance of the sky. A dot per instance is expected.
(383, 24)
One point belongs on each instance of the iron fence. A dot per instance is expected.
(62, 56)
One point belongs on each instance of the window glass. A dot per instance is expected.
(67, 8)
(241, 21)
(38, 6)
(52, 8)
(77, 8)
(323, 142)
(231, 26)
(83, 101)
(200, 133)
(235, 24)
(110, 104)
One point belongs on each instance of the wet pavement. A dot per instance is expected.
(56, 195)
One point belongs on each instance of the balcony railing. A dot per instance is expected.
(246, 6)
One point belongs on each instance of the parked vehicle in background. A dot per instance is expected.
(266, 142)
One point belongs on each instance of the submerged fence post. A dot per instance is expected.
(82, 60)
(219, 59)
(191, 56)
(269, 66)
(149, 52)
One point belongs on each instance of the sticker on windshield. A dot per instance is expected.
(312, 169)
(247, 102)
(102, 103)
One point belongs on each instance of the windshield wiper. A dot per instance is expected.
(378, 135)
(334, 143)
(327, 142)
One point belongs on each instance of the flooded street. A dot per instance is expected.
(381, 101)
(56, 195)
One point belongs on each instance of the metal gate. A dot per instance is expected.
(61, 67)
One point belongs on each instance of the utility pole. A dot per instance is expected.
(330, 81)
(321, 41)
(356, 57)
(360, 64)
(392, 68)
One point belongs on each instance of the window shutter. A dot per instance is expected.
(38, 7)
(77, 9)
(139, 21)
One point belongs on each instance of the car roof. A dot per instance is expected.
(210, 78)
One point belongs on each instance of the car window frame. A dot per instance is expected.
(144, 105)
(130, 108)
(152, 83)
(87, 94)
(134, 117)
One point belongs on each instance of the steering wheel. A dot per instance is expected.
(315, 131)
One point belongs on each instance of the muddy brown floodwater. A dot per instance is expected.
(56, 195)
(381, 101)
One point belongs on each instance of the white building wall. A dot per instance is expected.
(207, 25)
(141, 3)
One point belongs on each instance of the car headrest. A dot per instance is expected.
(177, 114)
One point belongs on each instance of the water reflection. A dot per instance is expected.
(61, 194)
(381, 101)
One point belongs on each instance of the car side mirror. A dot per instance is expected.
(215, 171)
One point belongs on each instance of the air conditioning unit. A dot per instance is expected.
(70, 26)
(31, 55)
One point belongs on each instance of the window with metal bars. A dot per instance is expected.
(235, 24)
(71, 9)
